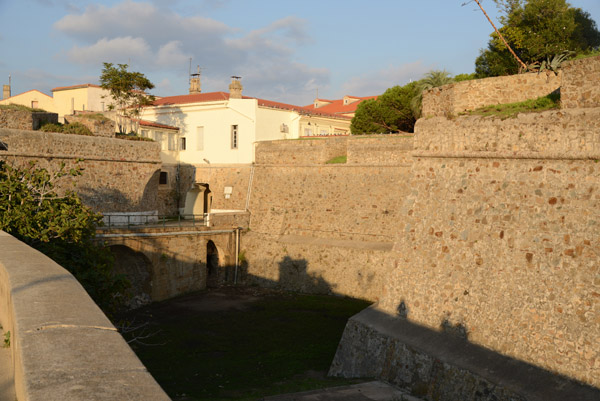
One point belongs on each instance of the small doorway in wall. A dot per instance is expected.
(198, 200)
(212, 265)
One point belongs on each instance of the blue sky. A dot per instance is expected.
(284, 50)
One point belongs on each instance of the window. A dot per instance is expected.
(158, 137)
(234, 137)
(34, 104)
(172, 143)
(145, 133)
(307, 131)
(182, 144)
(199, 138)
(162, 180)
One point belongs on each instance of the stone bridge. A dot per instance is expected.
(164, 261)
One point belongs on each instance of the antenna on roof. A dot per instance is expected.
(236, 77)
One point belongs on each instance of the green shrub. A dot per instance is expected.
(52, 127)
(133, 137)
(76, 129)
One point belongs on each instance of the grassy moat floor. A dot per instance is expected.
(240, 343)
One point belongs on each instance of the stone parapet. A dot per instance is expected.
(556, 134)
(452, 99)
(301, 151)
(580, 83)
(379, 149)
(63, 347)
(117, 175)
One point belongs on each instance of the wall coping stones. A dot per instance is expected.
(378, 344)
(63, 346)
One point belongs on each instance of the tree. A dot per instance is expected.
(432, 79)
(537, 30)
(128, 90)
(390, 112)
(59, 226)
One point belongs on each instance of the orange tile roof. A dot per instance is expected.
(220, 96)
(338, 107)
(62, 88)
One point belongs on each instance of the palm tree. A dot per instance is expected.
(432, 79)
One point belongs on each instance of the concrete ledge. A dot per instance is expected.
(441, 366)
(63, 346)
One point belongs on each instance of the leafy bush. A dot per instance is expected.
(60, 227)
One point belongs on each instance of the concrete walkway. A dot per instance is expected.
(7, 383)
(371, 391)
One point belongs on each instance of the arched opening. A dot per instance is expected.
(138, 270)
(212, 265)
(198, 200)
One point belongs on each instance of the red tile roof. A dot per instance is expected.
(220, 96)
(338, 107)
(62, 88)
(146, 123)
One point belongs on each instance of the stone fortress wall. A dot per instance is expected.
(118, 175)
(488, 228)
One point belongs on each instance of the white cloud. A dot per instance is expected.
(118, 50)
(171, 54)
(376, 82)
(155, 39)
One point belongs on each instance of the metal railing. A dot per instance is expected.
(142, 221)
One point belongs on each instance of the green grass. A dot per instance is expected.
(20, 107)
(280, 343)
(338, 159)
(509, 110)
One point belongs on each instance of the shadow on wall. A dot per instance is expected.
(293, 276)
(106, 199)
(176, 118)
(157, 274)
(443, 364)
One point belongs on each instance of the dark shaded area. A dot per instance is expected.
(105, 199)
(242, 343)
(137, 268)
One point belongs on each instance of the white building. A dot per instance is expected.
(221, 127)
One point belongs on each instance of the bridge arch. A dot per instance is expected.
(137, 267)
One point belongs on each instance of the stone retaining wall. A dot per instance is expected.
(99, 127)
(118, 175)
(63, 347)
(25, 120)
(580, 83)
(452, 99)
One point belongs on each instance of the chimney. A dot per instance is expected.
(195, 82)
(235, 88)
(5, 91)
